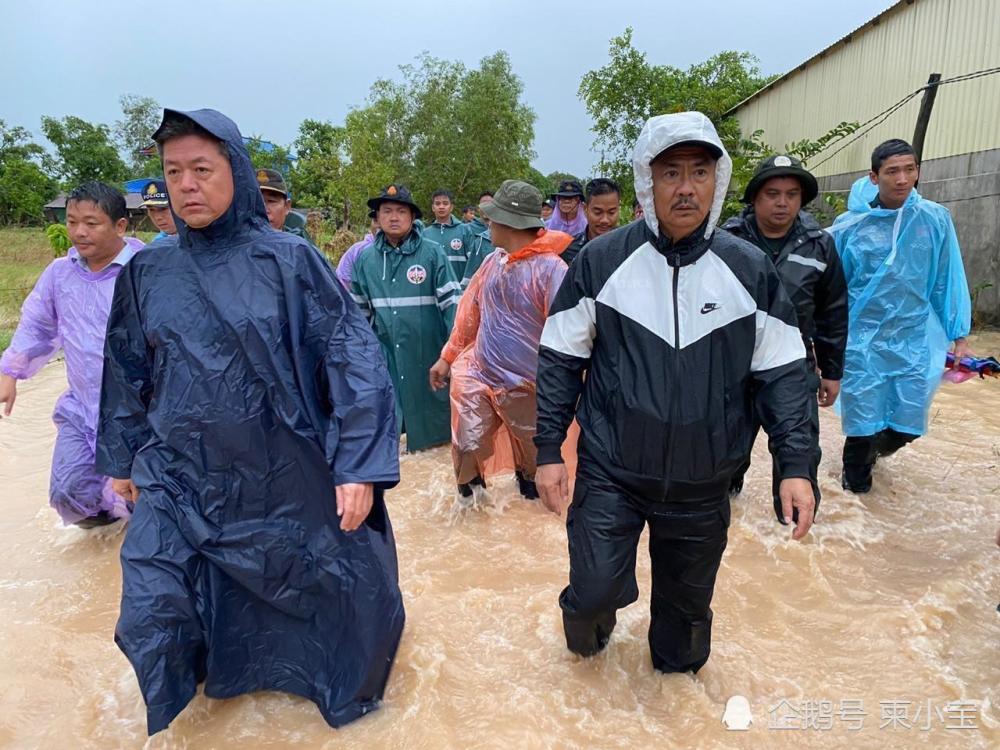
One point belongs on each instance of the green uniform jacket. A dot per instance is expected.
(454, 237)
(480, 246)
(409, 293)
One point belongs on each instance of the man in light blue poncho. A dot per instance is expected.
(908, 301)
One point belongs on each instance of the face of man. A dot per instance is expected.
(468, 215)
(96, 237)
(441, 208)
(396, 220)
(278, 206)
(896, 177)
(546, 211)
(776, 205)
(199, 179)
(602, 213)
(683, 188)
(162, 218)
(569, 206)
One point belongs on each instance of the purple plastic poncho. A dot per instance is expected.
(68, 309)
(557, 223)
(345, 268)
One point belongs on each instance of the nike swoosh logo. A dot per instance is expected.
(709, 307)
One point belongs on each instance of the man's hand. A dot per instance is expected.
(354, 503)
(439, 375)
(828, 392)
(126, 488)
(797, 494)
(962, 348)
(8, 393)
(552, 481)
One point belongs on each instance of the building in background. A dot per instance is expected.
(866, 76)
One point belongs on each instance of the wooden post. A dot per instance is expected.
(924, 115)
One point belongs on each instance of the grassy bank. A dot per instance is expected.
(24, 253)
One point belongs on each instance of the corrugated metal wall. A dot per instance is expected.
(856, 80)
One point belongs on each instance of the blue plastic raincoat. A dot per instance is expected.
(908, 300)
(241, 386)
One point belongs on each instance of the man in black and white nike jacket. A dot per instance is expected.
(682, 332)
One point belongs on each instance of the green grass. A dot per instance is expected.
(24, 253)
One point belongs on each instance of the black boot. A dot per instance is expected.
(857, 478)
(526, 487)
(465, 490)
(103, 518)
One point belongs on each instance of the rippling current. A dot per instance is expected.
(881, 630)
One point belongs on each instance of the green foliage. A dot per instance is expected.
(134, 132)
(267, 155)
(554, 178)
(442, 125)
(806, 149)
(24, 185)
(628, 90)
(58, 239)
(85, 151)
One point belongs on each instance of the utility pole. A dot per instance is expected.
(924, 115)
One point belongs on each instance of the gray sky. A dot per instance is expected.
(271, 65)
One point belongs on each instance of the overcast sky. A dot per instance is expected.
(271, 65)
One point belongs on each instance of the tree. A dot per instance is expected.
(441, 125)
(25, 187)
(134, 133)
(267, 155)
(554, 178)
(85, 151)
(319, 166)
(628, 90)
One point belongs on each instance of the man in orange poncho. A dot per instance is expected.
(492, 355)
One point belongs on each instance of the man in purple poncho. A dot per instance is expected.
(568, 216)
(345, 267)
(68, 309)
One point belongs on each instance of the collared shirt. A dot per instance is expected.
(123, 257)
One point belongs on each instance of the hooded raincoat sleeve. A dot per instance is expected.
(37, 336)
(125, 428)
(361, 439)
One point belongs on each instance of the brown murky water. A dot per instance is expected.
(892, 599)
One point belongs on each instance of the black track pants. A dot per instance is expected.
(686, 543)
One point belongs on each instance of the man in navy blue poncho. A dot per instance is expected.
(247, 407)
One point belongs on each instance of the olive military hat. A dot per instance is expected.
(781, 165)
(517, 205)
(272, 179)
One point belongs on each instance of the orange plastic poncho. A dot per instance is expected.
(493, 348)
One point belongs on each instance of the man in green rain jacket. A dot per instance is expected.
(451, 234)
(406, 285)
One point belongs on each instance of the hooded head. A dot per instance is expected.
(665, 132)
(214, 193)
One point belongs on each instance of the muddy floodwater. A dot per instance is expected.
(881, 630)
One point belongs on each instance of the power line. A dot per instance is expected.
(886, 113)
